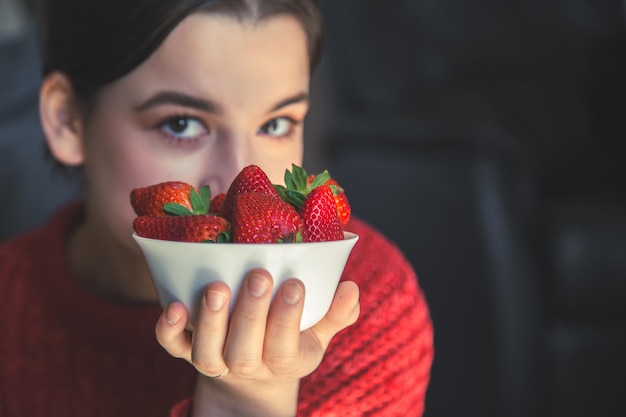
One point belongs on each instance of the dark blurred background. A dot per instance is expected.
(29, 190)
(485, 138)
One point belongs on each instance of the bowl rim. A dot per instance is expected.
(348, 236)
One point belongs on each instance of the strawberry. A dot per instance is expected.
(299, 184)
(197, 228)
(217, 202)
(341, 200)
(250, 179)
(261, 218)
(170, 198)
(149, 201)
(319, 214)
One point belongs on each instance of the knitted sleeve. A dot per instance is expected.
(380, 366)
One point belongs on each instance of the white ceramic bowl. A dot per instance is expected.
(181, 270)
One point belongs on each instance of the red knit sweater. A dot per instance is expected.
(65, 352)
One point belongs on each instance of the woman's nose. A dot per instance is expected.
(227, 160)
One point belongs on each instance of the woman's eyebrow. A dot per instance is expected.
(181, 99)
(300, 97)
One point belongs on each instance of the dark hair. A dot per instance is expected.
(95, 42)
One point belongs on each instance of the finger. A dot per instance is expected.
(282, 337)
(170, 331)
(211, 327)
(343, 312)
(244, 344)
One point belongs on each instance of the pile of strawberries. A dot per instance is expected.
(309, 208)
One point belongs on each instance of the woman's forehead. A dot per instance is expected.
(230, 59)
(211, 40)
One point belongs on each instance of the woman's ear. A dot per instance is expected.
(61, 120)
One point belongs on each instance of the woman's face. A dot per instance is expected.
(217, 95)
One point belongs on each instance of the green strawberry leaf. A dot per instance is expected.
(174, 209)
(222, 237)
(282, 192)
(295, 198)
(336, 189)
(320, 179)
(205, 197)
(291, 238)
(289, 180)
(299, 176)
(200, 202)
(195, 200)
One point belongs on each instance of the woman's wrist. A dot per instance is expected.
(216, 398)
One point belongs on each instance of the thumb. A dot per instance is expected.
(344, 311)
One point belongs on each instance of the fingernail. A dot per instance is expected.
(214, 300)
(291, 292)
(171, 317)
(258, 285)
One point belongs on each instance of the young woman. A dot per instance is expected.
(137, 92)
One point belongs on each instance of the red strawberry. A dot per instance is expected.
(173, 198)
(217, 202)
(341, 200)
(149, 201)
(197, 228)
(299, 184)
(260, 218)
(250, 179)
(319, 213)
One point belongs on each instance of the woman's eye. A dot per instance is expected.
(278, 127)
(185, 128)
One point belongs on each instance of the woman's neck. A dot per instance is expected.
(110, 270)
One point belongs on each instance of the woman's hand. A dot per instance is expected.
(262, 347)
